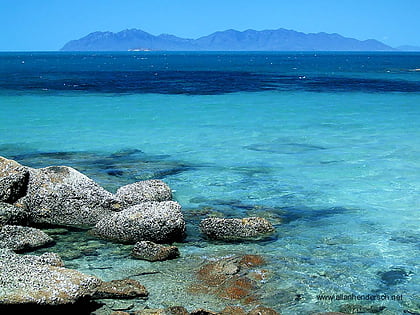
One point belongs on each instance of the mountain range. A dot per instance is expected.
(229, 40)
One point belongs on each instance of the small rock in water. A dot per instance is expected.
(236, 229)
(202, 312)
(148, 190)
(356, 308)
(233, 310)
(173, 310)
(23, 238)
(120, 289)
(150, 251)
(261, 310)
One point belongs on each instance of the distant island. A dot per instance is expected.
(229, 40)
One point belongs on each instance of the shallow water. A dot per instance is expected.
(324, 147)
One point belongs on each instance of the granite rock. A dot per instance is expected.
(13, 180)
(160, 222)
(11, 214)
(120, 289)
(143, 191)
(236, 229)
(22, 238)
(60, 195)
(150, 251)
(27, 279)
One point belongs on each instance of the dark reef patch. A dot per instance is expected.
(109, 170)
(394, 276)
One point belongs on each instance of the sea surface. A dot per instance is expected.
(324, 145)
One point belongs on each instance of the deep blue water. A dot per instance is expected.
(209, 73)
(325, 145)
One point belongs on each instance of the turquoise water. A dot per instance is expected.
(333, 163)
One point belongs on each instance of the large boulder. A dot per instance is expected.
(22, 238)
(148, 190)
(60, 195)
(236, 229)
(160, 222)
(150, 251)
(11, 214)
(13, 180)
(27, 279)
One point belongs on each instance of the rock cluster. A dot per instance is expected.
(141, 213)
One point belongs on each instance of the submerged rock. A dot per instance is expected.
(60, 195)
(357, 308)
(22, 238)
(173, 310)
(148, 190)
(236, 229)
(231, 278)
(10, 214)
(261, 310)
(160, 222)
(27, 279)
(202, 312)
(150, 251)
(120, 289)
(233, 310)
(13, 180)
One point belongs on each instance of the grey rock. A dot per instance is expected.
(13, 180)
(11, 214)
(150, 251)
(236, 229)
(52, 259)
(22, 238)
(160, 222)
(27, 279)
(120, 289)
(60, 195)
(148, 190)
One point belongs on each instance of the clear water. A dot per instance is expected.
(326, 146)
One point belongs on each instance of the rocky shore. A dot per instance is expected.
(142, 213)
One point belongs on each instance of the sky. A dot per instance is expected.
(45, 25)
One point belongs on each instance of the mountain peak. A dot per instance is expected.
(228, 40)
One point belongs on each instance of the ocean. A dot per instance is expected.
(324, 145)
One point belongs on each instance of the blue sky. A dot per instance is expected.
(49, 24)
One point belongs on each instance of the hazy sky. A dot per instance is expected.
(49, 24)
